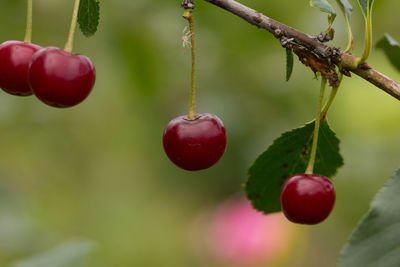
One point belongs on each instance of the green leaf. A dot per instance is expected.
(69, 254)
(391, 48)
(88, 16)
(376, 240)
(289, 155)
(345, 6)
(366, 6)
(289, 64)
(323, 5)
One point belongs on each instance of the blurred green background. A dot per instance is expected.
(98, 170)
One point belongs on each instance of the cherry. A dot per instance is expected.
(14, 62)
(61, 79)
(307, 198)
(195, 144)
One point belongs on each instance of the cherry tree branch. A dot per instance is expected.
(344, 60)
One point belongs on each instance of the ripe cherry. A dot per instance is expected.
(307, 198)
(61, 79)
(195, 144)
(14, 62)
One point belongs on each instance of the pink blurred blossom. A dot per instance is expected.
(238, 235)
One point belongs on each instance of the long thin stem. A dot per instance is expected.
(368, 37)
(331, 98)
(188, 14)
(329, 102)
(28, 31)
(348, 27)
(70, 42)
(349, 34)
(310, 166)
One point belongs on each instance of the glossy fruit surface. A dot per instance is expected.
(307, 198)
(14, 61)
(195, 144)
(61, 79)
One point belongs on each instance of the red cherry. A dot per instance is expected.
(60, 79)
(195, 144)
(14, 62)
(307, 198)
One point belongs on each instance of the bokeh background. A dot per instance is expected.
(98, 171)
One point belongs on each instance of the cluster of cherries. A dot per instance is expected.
(197, 141)
(198, 144)
(58, 78)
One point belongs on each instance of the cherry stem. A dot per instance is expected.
(188, 15)
(310, 166)
(329, 102)
(70, 42)
(28, 31)
(331, 98)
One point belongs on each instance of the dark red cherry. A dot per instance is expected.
(307, 198)
(195, 144)
(61, 79)
(14, 61)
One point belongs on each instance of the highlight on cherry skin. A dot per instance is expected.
(307, 198)
(59, 78)
(14, 62)
(195, 144)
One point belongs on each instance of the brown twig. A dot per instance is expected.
(345, 61)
